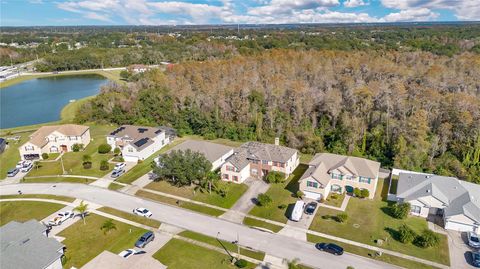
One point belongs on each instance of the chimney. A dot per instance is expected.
(277, 141)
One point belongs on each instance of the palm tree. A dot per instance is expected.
(293, 264)
(82, 210)
(107, 226)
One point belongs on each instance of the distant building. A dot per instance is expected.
(54, 139)
(137, 142)
(3, 145)
(26, 246)
(138, 68)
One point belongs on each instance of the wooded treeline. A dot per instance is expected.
(411, 110)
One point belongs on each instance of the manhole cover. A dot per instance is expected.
(356, 225)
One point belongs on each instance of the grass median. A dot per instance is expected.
(129, 216)
(22, 211)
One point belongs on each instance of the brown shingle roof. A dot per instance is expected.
(260, 151)
(38, 137)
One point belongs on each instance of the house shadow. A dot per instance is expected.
(292, 185)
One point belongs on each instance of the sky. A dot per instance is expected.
(178, 12)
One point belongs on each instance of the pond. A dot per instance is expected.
(41, 100)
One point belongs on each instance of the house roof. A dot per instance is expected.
(211, 151)
(38, 137)
(459, 197)
(323, 164)
(23, 246)
(140, 136)
(260, 151)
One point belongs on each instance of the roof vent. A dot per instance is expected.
(428, 191)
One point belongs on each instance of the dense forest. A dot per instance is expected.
(413, 110)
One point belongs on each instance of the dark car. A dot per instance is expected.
(145, 239)
(476, 258)
(13, 172)
(330, 248)
(310, 208)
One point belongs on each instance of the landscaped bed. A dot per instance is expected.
(335, 199)
(22, 211)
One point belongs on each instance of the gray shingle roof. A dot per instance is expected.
(260, 151)
(459, 197)
(141, 136)
(211, 151)
(23, 246)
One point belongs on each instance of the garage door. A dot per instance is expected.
(313, 195)
(461, 227)
(131, 159)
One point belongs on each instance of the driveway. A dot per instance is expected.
(58, 228)
(304, 223)
(460, 257)
(105, 181)
(273, 244)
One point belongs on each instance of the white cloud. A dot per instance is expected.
(96, 16)
(276, 7)
(463, 9)
(421, 14)
(354, 3)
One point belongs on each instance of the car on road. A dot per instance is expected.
(117, 173)
(310, 208)
(27, 168)
(12, 172)
(330, 248)
(119, 166)
(475, 258)
(126, 253)
(61, 217)
(142, 212)
(145, 239)
(473, 240)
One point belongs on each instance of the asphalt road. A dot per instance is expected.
(273, 244)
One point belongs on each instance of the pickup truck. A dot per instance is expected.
(60, 218)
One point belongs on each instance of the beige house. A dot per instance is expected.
(255, 159)
(337, 173)
(54, 139)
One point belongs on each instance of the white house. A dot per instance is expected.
(458, 202)
(137, 142)
(54, 139)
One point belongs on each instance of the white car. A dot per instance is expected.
(26, 168)
(142, 212)
(119, 166)
(126, 253)
(22, 164)
(61, 217)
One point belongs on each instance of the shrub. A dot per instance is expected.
(77, 147)
(241, 263)
(342, 217)
(356, 192)
(300, 194)
(87, 161)
(364, 193)
(400, 211)
(117, 151)
(334, 196)
(427, 239)
(104, 165)
(406, 234)
(275, 177)
(282, 206)
(45, 156)
(104, 148)
(264, 199)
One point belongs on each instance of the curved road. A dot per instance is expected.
(273, 244)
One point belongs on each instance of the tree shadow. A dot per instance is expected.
(393, 233)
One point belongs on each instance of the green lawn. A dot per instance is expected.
(10, 157)
(228, 245)
(26, 210)
(178, 254)
(378, 225)
(334, 199)
(114, 186)
(41, 196)
(234, 192)
(262, 224)
(187, 205)
(58, 179)
(85, 242)
(281, 194)
(129, 216)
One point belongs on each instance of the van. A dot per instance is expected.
(297, 211)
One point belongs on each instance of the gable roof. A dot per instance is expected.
(23, 246)
(141, 136)
(211, 151)
(38, 137)
(260, 151)
(459, 197)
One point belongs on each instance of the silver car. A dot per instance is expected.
(473, 240)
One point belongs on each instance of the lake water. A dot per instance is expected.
(41, 100)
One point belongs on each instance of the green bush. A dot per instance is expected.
(406, 234)
(300, 194)
(356, 192)
(87, 161)
(241, 263)
(117, 151)
(275, 177)
(342, 217)
(104, 165)
(104, 148)
(364, 193)
(45, 156)
(427, 239)
(77, 147)
(400, 210)
(263, 199)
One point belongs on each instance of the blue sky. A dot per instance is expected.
(160, 12)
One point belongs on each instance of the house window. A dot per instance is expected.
(264, 162)
(336, 188)
(230, 168)
(312, 184)
(27, 148)
(364, 180)
(282, 165)
(348, 177)
(130, 149)
(274, 163)
(235, 178)
(225, 176)
(337, 176)
(415, 209)
(255, 161)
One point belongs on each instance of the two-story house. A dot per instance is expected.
(137, 142)
(54, 139)
(337, 173)
(255, 159)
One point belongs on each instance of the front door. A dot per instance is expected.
(64, 148)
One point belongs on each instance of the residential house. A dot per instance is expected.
(256, 160)
(54, 139)
(137, 142)
(456, 201)
(26, 246)
(214, 153)
(337, 173)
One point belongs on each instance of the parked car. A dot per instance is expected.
(297, 211)
(61, 217)
(12, 172)
(27, 168)
(119, 166)
(21, 164)
(126, 253)
(475, 258)
(117, 173)
(310, 208)
(138, 252)
(145, 239)
(142, 212)
(330, 248)
(473, 240)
